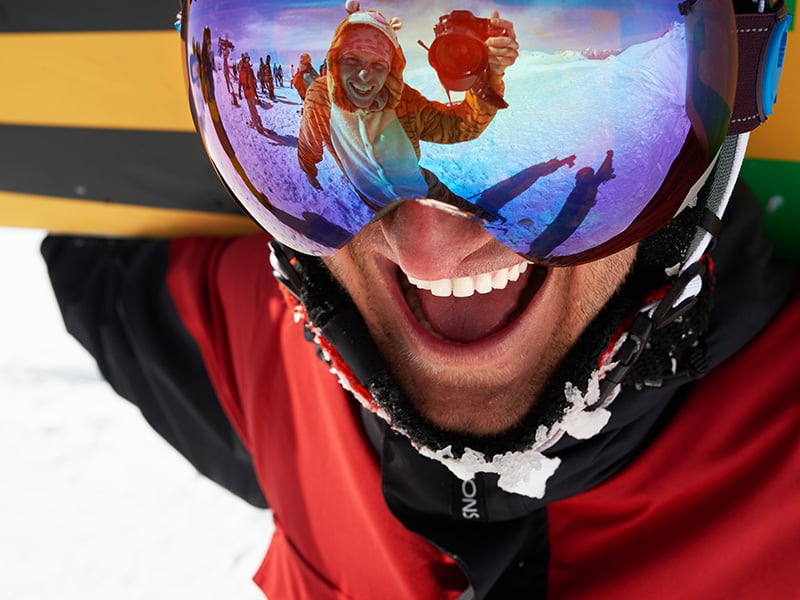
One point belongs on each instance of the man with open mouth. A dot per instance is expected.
(592, 394)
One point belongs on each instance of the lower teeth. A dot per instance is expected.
(412, 299)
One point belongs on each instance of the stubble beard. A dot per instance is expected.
(487, 402)
(468, 402)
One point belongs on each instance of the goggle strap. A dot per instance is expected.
(729, 164)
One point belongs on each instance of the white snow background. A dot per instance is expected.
(93, 503)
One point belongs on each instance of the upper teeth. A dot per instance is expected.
(463, 287)
(363, 89)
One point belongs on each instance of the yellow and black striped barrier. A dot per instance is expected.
(96, 136)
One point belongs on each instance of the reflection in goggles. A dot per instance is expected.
(597, 117)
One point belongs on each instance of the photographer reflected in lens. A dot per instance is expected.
(468, 49)
(372, 122)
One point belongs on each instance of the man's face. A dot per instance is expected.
(474, 363)
(364, 65)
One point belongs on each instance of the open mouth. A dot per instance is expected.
(467, 309)
(361, 90)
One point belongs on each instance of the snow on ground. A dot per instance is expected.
(94, 505)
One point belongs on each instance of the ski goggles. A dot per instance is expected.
(569, 130)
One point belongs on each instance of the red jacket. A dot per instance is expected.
(689, 491)
(247, 79)
(707, 510)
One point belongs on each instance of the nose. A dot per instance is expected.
(363, 73)
(430, 239)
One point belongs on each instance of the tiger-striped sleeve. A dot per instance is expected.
(314, 127)
(439, 123)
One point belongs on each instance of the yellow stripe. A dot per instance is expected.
(134, 80)
(83, 217)
(779, 137)
(115, 80)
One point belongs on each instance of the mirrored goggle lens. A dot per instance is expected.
(567, 129)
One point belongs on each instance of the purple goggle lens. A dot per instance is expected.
(321, 120)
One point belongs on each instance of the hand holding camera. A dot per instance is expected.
(470, 52)
(503, 47)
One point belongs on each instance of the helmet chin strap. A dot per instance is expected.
(688, 274)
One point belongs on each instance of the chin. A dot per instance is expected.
(481, 405)
(361, 102)
(472, 422)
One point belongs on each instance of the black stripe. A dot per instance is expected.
(147, 168)
(87, 15)
(114, 300)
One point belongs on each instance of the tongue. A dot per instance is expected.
(470, 319)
